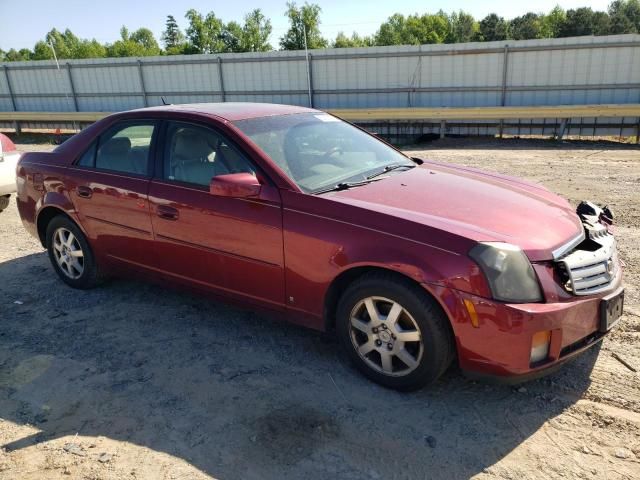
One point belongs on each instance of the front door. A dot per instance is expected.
(229, 245)
(109, 191)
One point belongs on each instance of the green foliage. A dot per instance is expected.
(625, 16)
(173, 38)
(552, 22)
(66, 45)
(493, 28)
(210, 35)
(304, 21)
(255, 33)
(14, 55)
(526, 27)
(464, 28)
(414, 30)
(342, 41)
(140, 43)
(204, 34)
(584, 21)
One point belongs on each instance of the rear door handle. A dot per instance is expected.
(168, 213)
(84, 192)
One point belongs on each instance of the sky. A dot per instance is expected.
(27, 21)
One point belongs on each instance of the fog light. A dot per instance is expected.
(540, 346)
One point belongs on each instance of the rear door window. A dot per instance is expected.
(124, 148)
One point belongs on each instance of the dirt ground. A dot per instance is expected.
(136, 381)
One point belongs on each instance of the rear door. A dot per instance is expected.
(233, 245)
(110, 191)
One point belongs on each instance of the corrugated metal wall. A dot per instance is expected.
(582, 70)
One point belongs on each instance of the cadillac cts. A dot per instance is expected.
(413, 264)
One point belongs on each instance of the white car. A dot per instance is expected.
(8, 161)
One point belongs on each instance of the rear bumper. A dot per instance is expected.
(499, 345)
(8, 165)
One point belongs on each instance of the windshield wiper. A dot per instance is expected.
(388, 168)
(347, 185)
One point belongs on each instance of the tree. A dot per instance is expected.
(625, 16)
(173, 38)
(413, 30)
(231, 37)
(253, 36)
(464, 28)
(14, 55)
(342, 41)
(303, 20)
(140, 43)
(552, 23)
(584, 21)
(67, 45)
(204, 34)
(526, 27)
(601, 23)
(493, 28)
(256, 32)
(392, 31)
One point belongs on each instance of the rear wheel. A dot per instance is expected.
(394, 333)
(70, 254)
(4, 202)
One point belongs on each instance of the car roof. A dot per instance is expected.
(232, 111)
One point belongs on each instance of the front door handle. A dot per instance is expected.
(84, 192)
(168, 213)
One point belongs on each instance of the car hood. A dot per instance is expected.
(477, 205)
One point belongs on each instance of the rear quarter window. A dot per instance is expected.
(88, 158)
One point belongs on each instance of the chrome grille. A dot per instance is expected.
(592, 270)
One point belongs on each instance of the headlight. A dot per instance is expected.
(508, 271)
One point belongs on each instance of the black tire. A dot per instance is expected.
(4, 202)
(90, 276)
(436, 340)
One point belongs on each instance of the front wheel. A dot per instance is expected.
(70, 254)
(393, 332)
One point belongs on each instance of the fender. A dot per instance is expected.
(59, 202)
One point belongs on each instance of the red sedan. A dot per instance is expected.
(412, 263)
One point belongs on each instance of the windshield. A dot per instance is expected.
(318, 151)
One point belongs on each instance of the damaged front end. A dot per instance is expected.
(592, 266)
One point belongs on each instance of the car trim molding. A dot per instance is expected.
(126, 227)
(372, 230)
(200, 282)
(213, 250)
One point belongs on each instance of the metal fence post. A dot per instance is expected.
(142, 87)
(310, 79)
(221, 80)
(16, 125)
(73, 88)
(505, 67)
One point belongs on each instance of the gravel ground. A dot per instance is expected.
(136, 381)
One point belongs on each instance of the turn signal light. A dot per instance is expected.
(540, 346)
(473, 315)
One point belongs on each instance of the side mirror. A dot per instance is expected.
(235, 185)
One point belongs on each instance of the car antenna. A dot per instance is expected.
(164, 102)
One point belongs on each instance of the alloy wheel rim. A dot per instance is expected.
(385, 336)
(68, 253)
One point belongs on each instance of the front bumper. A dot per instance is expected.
(497, 342)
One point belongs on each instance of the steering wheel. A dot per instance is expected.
(332, 151)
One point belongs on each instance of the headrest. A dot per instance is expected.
(190, 145)
(116, 146)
